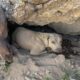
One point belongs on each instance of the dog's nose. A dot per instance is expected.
(48, 49)
(59, 50)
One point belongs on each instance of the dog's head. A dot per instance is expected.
(54, 42)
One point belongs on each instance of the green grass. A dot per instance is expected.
(66, 77)
(74, 74)
(47, 77)
(7, 65)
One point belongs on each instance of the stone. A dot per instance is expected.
(5, 52)
(42, 12)
(3, 25)
(72, 29)
(65, 11)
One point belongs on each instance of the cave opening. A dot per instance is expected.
(13, 26)
(67, 46)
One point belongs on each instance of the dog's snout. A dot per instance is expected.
(48, 49)
(59, 49)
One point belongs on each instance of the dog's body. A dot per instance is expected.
(36, 42)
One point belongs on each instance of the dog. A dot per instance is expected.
(37, 42)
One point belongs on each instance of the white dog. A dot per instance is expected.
(36, 42)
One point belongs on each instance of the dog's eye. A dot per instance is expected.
(53, 42)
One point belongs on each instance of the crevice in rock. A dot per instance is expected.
(67, 39)
(13, 26)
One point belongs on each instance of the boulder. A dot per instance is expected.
(72, 29)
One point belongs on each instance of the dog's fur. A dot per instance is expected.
(36, 42)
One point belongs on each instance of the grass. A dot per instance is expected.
(47, 77)
(7, 65)
(65, 77)
(72, 75)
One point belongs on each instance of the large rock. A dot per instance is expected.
(3, 25)
(42, 12)
(72, 29)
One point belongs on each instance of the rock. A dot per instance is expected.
(50, 61)
(31, 71)
(54, 70)
(5, 52)
(72, 29)
(41, 12)
(3, 24)
(37, 2)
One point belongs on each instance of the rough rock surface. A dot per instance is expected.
(72, 29)
(3, 25)
(34, 68)
(5, 51)
(48, 66)
(41, 12)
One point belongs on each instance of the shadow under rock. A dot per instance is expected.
(71, 49)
